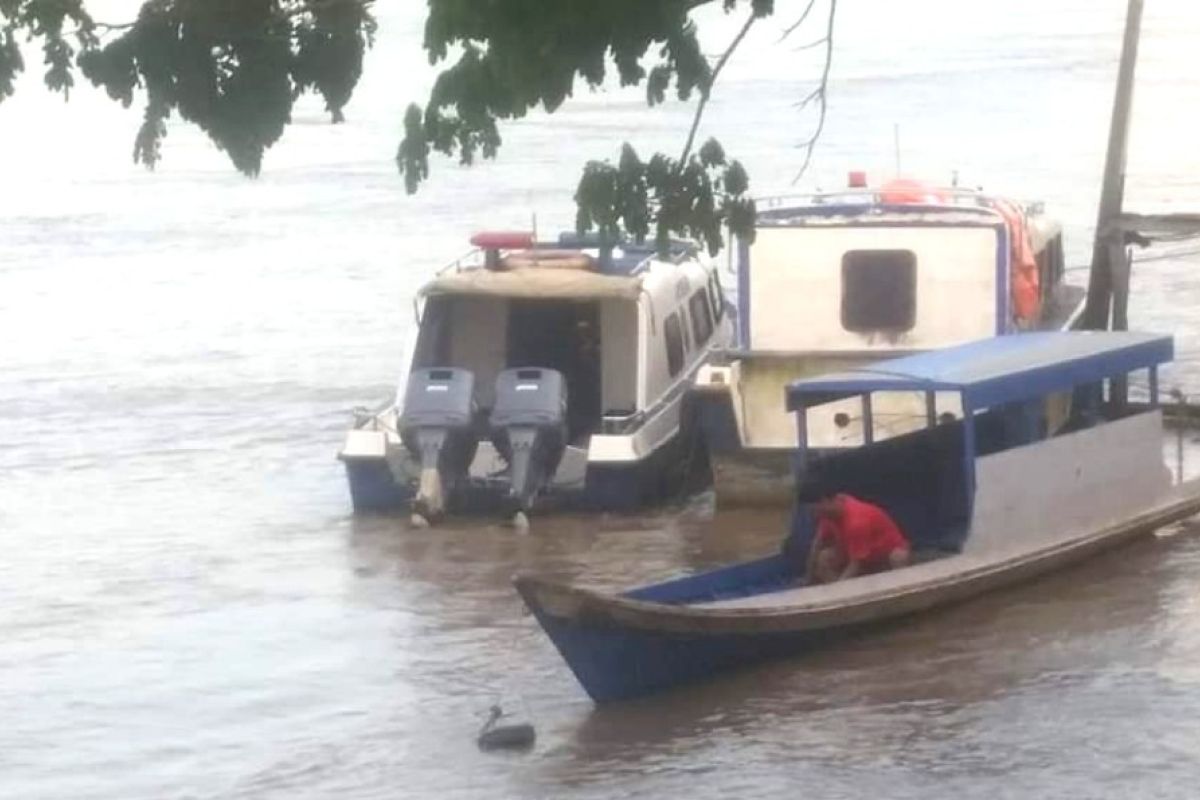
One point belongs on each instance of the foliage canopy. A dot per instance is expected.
(235, 68)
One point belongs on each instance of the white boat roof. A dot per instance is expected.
(535, 283)
(871, 207)
(841, 216)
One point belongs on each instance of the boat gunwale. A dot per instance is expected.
(601, 609)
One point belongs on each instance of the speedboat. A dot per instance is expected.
(547, 375)
(1026, 462)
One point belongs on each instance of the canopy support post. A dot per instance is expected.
(868, 420)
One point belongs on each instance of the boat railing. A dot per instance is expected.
(472, 258)
(637, 257)
(955, 197)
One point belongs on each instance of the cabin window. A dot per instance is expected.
(879, 290)
(702, 323)
(673, 332)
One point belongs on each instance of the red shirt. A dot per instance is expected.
(864, 533)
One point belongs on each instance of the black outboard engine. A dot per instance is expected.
(529, 428)
(437, 428)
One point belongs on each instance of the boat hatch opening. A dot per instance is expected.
(591, 342)
(563, 336)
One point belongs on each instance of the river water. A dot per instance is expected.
(188, 608)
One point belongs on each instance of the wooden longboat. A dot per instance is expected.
(1031, 470)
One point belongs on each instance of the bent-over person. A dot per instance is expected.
(853, 537)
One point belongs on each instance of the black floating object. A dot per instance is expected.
(493, 736)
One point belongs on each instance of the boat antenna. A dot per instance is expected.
(896, 142)
(533, 226)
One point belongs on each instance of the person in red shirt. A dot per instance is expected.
(854, 538)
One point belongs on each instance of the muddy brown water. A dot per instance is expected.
(188, 608)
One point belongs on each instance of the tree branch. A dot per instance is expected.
(811, 45)
(721, 62)
(803, 16)
(821, 94)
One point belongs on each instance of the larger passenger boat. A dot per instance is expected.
(1021, 465)
(840, 279)
(546, 373)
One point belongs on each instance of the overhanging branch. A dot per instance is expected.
(707, 92)
(819, 95)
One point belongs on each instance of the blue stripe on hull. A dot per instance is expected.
(373, 488)
(677, 468)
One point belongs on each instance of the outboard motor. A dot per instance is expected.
(529, 428)
(437, 428)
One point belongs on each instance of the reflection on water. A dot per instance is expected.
(187, 608)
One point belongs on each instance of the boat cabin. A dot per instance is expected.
(904, 266)
(622, 326)
(1020, 438)
(842, 279)
(593, 345)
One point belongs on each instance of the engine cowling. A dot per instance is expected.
(437, 426)
(528, 426)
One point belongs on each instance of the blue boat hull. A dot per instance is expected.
(615, 661)
(615, 664)
(374, 488)
(673, 471)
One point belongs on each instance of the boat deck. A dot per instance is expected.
(1180, 502)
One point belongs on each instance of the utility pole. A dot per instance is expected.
(1108, 283)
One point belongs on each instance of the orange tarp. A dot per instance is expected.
(1026, 292)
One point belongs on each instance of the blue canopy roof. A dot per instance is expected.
(993, 371)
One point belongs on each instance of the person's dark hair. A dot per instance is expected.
(812, 489)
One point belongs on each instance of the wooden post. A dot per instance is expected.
(1120, 263)
(1100, 281)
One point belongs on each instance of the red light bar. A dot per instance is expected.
(503, 240)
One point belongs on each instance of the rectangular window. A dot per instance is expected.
(702, 324)
(673, 333)
(879, 290)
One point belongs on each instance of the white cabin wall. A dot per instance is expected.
(654, 350)
(666, 289)
(618, 355)
(479, 341)
(1069, 485)
(796, 286)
